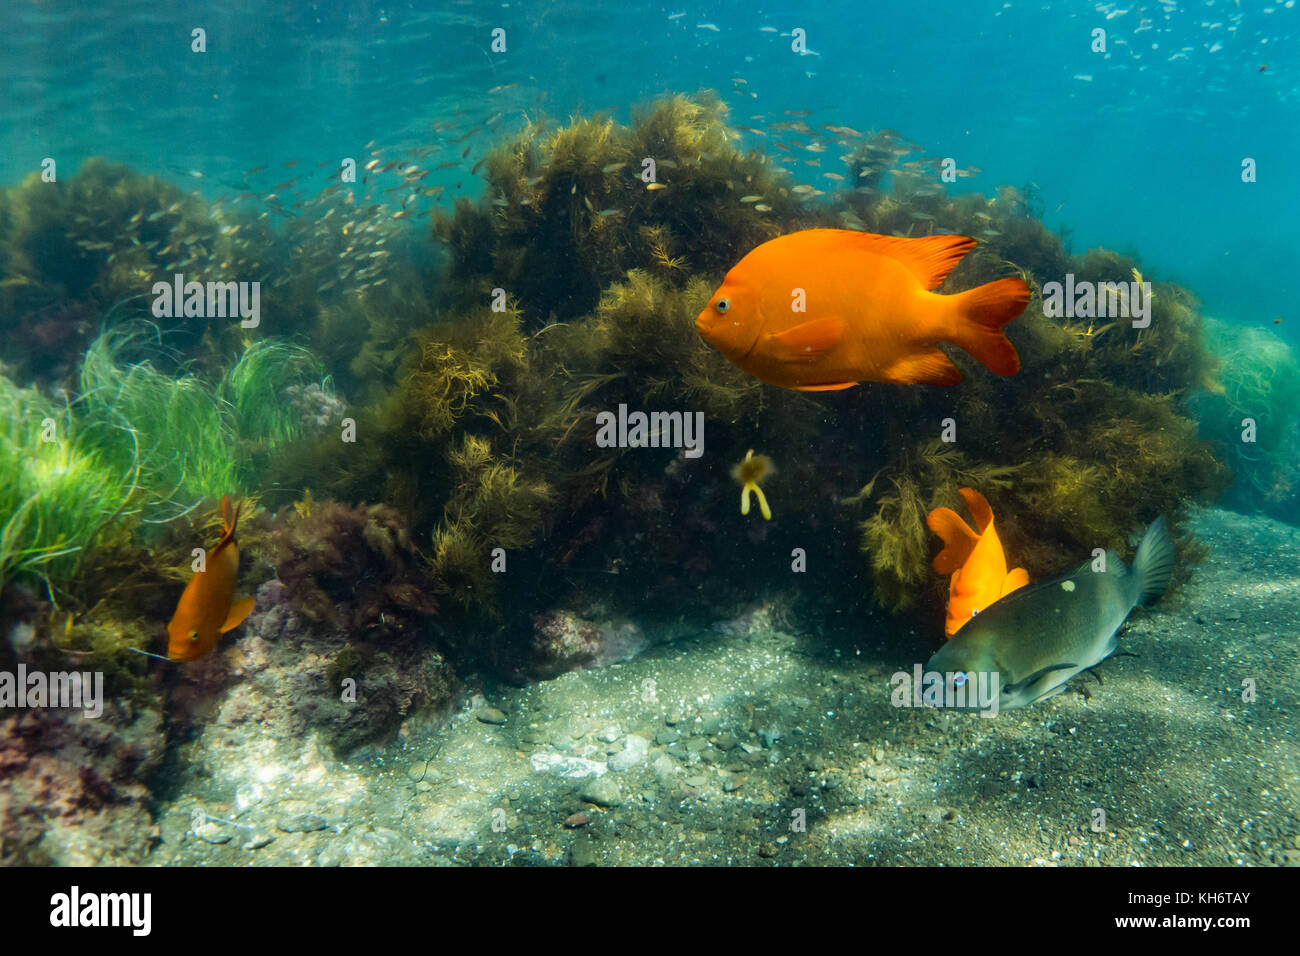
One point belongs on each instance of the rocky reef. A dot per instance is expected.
(75, 787)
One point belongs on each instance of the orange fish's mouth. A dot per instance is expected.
(725, 335)
(702, 324)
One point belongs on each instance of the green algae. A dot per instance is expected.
(57, 487)
(1253, 419)
(194, 438)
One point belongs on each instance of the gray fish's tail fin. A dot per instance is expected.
(1154, 564)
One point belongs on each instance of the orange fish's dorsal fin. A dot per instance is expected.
(1014, 579)
(807, 341)
(229, 521)
(979, 508)
(930, 258)
(238, 611)
(924, 367)
(959, 539)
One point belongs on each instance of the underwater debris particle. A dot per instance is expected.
(749, 473)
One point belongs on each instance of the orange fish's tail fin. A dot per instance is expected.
(959, 539)
(981, 314)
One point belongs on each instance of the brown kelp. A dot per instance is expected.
(571, 210)
(571, 288)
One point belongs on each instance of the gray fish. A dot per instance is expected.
(1037, 638)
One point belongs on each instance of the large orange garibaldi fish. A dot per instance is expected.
(208, 608)
(825, 309)
(976, 561)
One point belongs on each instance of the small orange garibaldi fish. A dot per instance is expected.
(825, 309)
(208, 608)
(976, 561)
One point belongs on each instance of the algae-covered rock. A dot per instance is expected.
(571, 210)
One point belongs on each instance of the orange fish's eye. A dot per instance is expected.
(194, 637)
(722, 305)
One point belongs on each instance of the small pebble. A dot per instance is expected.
(664, 768)
(302, 823)
(575, 820)
(632, 755)
(212, 833)
(602, 791)
(490, 715)
(582, 853)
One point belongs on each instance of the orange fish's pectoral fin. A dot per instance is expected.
(958, 539)
(928, 367)
(806, 342)
(238, 611)
(1014, 580)
(824, 388)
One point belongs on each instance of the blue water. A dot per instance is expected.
(1139, 149)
